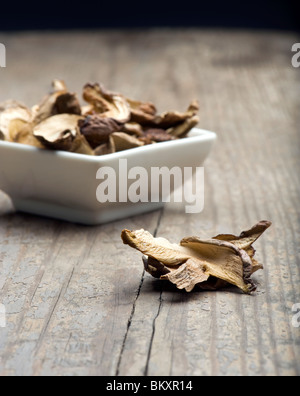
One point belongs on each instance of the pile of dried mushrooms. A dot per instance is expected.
(109, 122)
(208, 264)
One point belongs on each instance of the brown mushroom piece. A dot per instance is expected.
(59, 101)
(169, 119)
(58, 132)
(107, 104)
(157, 136)
(97, 129)
(181, 130)
(142, 113)
(209, 264)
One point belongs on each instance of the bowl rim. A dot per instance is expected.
(195, 135)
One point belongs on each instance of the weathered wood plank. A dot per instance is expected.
(78, 301)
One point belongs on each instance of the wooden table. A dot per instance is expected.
(77, 300)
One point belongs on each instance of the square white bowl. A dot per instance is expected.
(63, 185)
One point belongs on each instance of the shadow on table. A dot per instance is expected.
(179, 296)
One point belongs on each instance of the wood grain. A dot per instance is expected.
(78, 302)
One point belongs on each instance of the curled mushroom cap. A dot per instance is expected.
(59, 101)
(209, 264)
(142, 113)
(58, 132)
(169, 119)
(107, 104)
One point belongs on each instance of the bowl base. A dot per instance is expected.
(85, 217)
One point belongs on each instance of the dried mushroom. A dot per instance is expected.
(120, 141)
(208, 264)
(172, 118)
(10, 111)
(184, 128)
(133, 128)
(142, 113)
(59, 101)
(108, 123)
(155, 135)
(97, 130)
(58, 132)
(107, 104)
(22, 132)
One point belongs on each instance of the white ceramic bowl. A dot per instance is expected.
(63, 185)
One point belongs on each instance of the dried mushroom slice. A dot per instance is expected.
(59, 85)
(159, 249)
(22, 132)
(133, 128)
(188, 275)
(59, 101)
(155, 268)
(58, 132)
(11, 111)
(104, 149)
(223, 261)
(107, 104)
(121, 141)
(209, 264)
(171, 118)
(81, 146)
(157, 136)
(97, 130)
(67, 103)
(142, 113)
(181, 130)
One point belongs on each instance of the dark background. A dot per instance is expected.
(47, 14)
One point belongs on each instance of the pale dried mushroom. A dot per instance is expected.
(81, 145)
(12, 110)
(120, 141)
(107, 104)
(208, 264)
(58, 132)
(22, 132)
(104, 149)
(133, 128)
